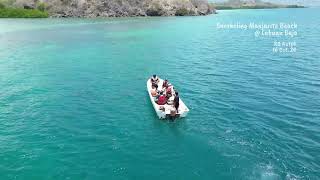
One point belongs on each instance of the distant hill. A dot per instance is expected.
(297, 2)
(252, 4)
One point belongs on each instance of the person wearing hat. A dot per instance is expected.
(154, 80)
(165, 83)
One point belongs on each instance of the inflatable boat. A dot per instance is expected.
(168, 110)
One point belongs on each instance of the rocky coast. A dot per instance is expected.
(117, 8)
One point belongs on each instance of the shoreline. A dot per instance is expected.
(30, 14)
(45, 14)
(115, 17)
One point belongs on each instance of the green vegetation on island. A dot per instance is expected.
(22, 13)
(250, 4)
(7, 11)
(182, 12)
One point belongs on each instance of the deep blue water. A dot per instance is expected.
(73, 101)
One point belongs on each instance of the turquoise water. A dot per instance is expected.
(73, 101)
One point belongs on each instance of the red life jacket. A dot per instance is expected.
(162, 100)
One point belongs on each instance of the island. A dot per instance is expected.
(103, 8)
(251, 4)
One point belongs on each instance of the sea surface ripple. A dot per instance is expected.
(73, 101)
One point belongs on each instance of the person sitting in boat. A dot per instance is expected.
(176, 101)
(154, 79)
(165, 84)
(170, 100)
(162, 100)
(154, 92)
(169, 91)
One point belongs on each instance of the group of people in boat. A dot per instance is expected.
(165, 94)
